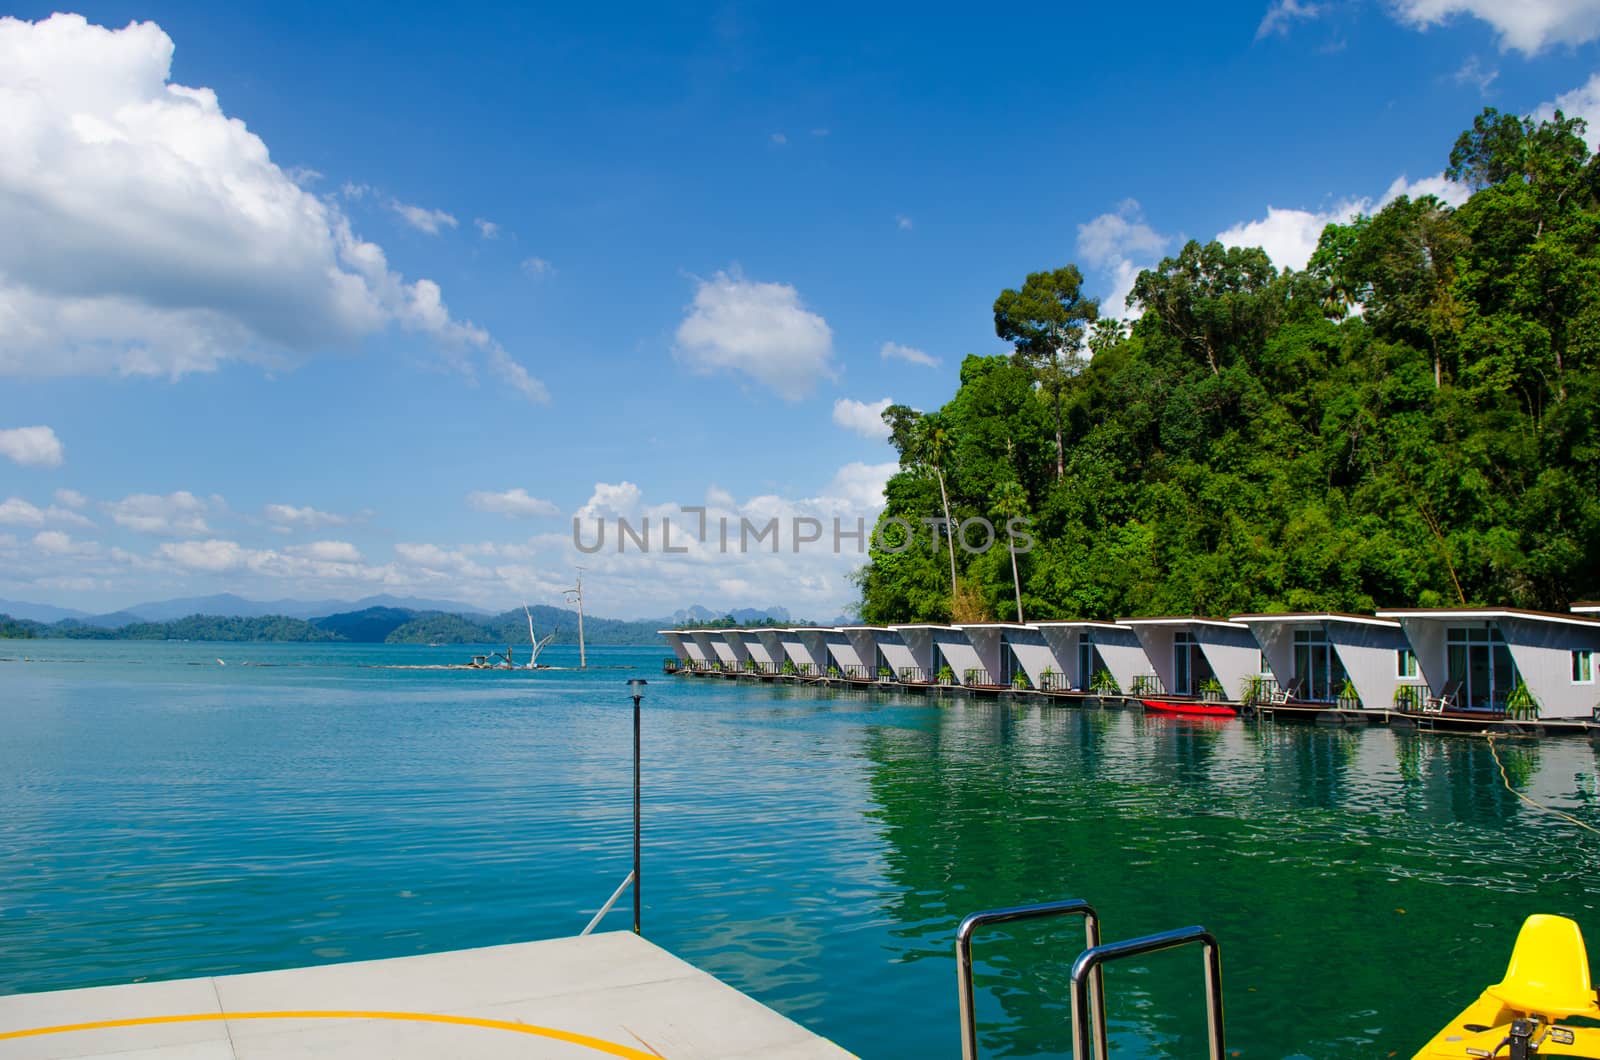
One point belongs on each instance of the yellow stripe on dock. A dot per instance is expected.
(599, 1045)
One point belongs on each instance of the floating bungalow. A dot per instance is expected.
(1313, 657)
(1079, 650)
(913, 657)
(1187, 653)
(1477, 659)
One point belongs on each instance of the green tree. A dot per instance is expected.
(1011, 502)
(1045, 322)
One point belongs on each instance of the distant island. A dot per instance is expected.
(386, 625)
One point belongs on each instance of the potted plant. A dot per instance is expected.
(805, 669)
(947, 676)
(1406, 698)
(1019, 681)
(885, 674)
(833, 671)
(1349, 699)
(788, 667)
(1211, 689)
(1520, 704)
(1103, 684)
(1047, 678)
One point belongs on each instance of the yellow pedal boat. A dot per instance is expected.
(1521, 1016)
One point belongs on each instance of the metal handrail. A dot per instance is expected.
(1091, 931)
(1089, 963)
(627, 881)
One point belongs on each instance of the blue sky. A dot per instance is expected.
(298, 299)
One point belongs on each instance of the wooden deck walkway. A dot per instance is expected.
(610, 994)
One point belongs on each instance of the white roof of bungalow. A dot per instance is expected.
(991, 625)
(1316, 616)
(1179, 620)
(1082, 623)
(920, 625)
(1586, 607)
(1445, 614)
(875, 629)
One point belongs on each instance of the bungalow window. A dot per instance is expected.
(1405, 663)
(1480, 665)
(1583, 667)
(1189, 665)
(1089, 662)
(1317, 667)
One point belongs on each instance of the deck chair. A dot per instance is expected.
(1444, 701)
(1549, 971)
(1284, 693)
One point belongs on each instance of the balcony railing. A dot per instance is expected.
(1050, 681)
(1147, 685)
(913, 675)
(975, 675)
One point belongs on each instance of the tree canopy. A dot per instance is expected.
(1411, 420)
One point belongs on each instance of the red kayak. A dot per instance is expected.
(1193, 707)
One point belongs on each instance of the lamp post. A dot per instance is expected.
(636, 689)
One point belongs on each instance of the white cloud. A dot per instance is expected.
(175, 514)
(14, 511)
(1290, 236)
(902, 222)
(487, 229)
(512, 502)
(760, 329)
(56, 543)
(421, 218)
(148, 233)
(1529, 26)
(1474, 73)
(865, 418)
(1118, 245)
(71, 498)
(779, 138)
(213, 555)
(328, 551)
(30, 446)
(611, 499)
(861, 485)
(1582, 102)
(537, 268)
(893, 351)
(513, 375)
(1281, 13)
(289, 515)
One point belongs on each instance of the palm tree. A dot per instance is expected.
(936, 446)
(1011, 501)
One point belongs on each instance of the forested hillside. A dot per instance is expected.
(1414, 419)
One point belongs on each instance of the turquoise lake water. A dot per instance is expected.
(163, 816)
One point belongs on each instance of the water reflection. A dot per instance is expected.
(1334, 864)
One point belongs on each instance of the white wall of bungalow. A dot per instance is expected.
(1312, 653)
(916, 649)
(674, 639)
(1222, 649)
(798, 648)
(1459, 651)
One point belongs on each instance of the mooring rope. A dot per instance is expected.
(1532, 802)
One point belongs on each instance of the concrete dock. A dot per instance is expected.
(610, 994)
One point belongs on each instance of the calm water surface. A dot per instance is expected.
(163, 816)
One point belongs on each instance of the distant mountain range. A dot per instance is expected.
(224, 605)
